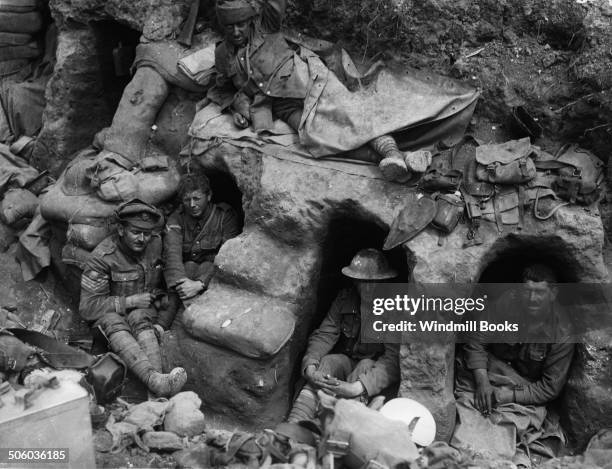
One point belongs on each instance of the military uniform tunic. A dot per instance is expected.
(545, 365)
(264, 76)
(340, 333)
(111, 275)
(191, 244)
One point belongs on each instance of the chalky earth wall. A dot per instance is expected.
(303, 222)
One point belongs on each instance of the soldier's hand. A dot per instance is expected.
(483, 395)
(240, 121)
(189, 288)
(343, 389)
(139, 300)
(483, 398)
(313, 376)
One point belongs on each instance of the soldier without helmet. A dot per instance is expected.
(120, 289)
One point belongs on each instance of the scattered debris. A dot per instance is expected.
(184, 416)
(165, 441)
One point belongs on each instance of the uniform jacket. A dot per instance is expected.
(111, 274)
(267, 67)
(340, 333)
(196, 240)
(546, 365)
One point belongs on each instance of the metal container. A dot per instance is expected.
(55, 419)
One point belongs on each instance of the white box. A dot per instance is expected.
(57, 419)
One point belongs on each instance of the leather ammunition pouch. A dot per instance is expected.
(506, 207)
(435, 180)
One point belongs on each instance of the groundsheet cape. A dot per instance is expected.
(418, 108)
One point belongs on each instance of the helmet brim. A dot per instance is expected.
(348, 271)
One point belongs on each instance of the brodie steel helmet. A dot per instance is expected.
(369, 264)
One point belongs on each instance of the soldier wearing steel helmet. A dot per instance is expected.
(120, 289)
(336, 360)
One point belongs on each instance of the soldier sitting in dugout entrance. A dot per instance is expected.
(336, 361)
(194, 234)
(504, 389)
(121, 294)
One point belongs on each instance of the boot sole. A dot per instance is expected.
(421, 160)
(393, 169)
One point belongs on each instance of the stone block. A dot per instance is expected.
(427, 372)
(245, 391)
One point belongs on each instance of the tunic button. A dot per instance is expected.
(267, 92)
(261, 84)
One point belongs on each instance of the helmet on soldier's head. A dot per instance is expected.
(369, 264)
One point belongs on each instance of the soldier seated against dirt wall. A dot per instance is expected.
(504, 390)
(195, 232)
(121, 294)
(336, 360)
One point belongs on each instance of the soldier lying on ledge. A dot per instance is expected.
(120, 293)
(260, 77)
(355, 369)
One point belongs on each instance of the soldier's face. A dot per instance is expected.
(196, 202)
(364, 288)
(135, 239)
(539, 296)
(238, 33)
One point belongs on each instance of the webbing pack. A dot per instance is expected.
(575, 174)
(506, 163)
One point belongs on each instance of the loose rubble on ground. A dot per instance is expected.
(112, 252)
